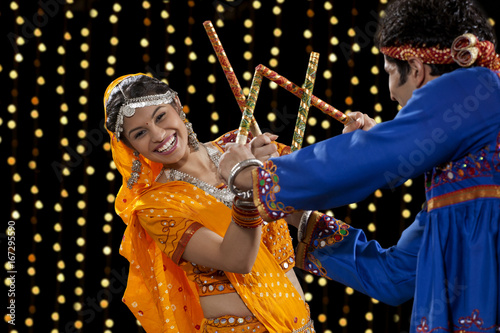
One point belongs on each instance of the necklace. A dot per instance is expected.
(223, 194)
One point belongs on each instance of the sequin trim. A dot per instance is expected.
(276, 237)
(471, 166)
(215, 289)
(265, 187)
(478, 165)
(326, 231)
(244, 324)
(233, 324)
(307, 328)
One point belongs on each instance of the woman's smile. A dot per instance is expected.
(167, 146)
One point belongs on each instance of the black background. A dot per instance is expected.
(39, 307)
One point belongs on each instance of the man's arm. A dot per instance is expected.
(333, 249)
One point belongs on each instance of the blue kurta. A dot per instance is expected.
(449, 258)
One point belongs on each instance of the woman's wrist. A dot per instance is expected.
(245, 214)
(236, 170)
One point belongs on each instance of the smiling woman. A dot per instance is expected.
(200, 259)
(158, 133)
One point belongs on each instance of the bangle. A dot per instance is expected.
(303, 224)
(235, 171)
(245, 214)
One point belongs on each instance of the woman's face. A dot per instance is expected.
(157, 133)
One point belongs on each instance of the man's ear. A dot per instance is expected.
(417, 71)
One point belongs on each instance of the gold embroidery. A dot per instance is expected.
(476, 192)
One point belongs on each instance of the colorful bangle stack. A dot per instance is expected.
(245, 214)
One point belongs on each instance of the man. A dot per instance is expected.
(448, 260)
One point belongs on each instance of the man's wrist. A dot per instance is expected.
(304, 219)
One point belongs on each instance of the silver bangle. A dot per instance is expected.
(235, 171)
(303, 224)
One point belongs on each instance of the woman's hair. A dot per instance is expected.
(430, 23)
(133, 86)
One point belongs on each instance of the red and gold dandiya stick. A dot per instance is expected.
(298, 91)
(249, 108)
(229, 73)
(305, 102)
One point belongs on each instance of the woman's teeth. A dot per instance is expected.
(168, 145)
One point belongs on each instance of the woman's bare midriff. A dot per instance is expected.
(231, 304)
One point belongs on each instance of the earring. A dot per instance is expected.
(136, 168)
(192, 138)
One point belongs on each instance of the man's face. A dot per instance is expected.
(399, 92)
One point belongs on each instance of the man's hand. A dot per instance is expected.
(361, 121)
(236, 153)
(263, 148)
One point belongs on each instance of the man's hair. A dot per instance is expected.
(430, 23)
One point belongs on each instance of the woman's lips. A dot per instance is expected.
(168, 145)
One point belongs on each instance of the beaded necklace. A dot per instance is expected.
(223, 194)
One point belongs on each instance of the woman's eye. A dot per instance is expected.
(138, 134)
(160, 116)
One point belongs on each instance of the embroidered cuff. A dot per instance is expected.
(322, 230)
(265, 187)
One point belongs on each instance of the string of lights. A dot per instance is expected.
(12, 156)
(107, 228)
(40, 81)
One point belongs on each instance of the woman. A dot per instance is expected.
(200, 261)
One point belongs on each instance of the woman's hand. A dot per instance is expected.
(236, 153)
(263, 148)
(361, 121)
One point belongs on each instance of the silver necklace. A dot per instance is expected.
(224, 194)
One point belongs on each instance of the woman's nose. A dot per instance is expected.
(157, 134)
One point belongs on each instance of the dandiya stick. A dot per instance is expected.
(305, 102)
(249, 109)
(298, 91)
(229, 73)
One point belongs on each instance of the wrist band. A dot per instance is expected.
(303, 224)
(235, 171)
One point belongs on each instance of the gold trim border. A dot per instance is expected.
(467, 194)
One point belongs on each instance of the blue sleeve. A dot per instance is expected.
(387, 275)
(446, 119)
